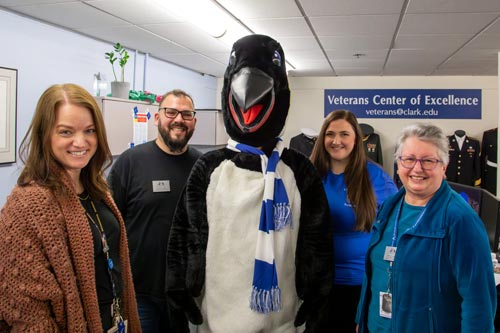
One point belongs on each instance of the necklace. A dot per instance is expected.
(83, 198)
(101, 228)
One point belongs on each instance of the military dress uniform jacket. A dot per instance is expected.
(373, 148)
(489, 160)
(465, 164)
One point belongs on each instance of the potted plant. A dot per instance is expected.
(119, 88)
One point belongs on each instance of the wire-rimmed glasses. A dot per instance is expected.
(425, 163)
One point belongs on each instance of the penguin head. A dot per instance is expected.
(255, 94)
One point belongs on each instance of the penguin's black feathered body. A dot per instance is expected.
(211, 252)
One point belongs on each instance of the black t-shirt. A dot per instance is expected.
(146, 184)
(112, 231)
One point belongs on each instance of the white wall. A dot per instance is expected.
(46, 55)
(307, 105)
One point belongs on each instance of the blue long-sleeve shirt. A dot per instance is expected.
(349, 245)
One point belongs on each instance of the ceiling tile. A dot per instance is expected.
(358, 71)
(443, 42)
(485, 42)
(136, 39)
(351, 54)
(414, 61)
(282, 27)
(198, 63)
(356, 42)
(361, 63)
(305, 56)
(73, 15)
(258, 9)
(417, 56)
(298, 43)
(312, 72)
(222, 57)
(189, 36)
(132, 11)
(16, 3)
(351, 7)
(354, 25)
(494, 28)
(453, 6)
(445, 23)
(474, 54)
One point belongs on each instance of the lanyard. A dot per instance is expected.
(105, 246)
(396, 223)
(392, 248)
(115, 308)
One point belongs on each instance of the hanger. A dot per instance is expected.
(309, 132)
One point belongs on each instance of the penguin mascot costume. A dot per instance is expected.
(250, 248)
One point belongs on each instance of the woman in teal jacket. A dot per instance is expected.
(428, 266)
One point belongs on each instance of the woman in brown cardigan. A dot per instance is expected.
(64, 263)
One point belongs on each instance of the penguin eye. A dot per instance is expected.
(277, 58)
(232, 58)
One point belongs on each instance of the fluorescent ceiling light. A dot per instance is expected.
(204, 14)
(209, 17)
(234, 32)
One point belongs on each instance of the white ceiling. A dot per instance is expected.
(320, 37)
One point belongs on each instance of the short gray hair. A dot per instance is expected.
(425, 132)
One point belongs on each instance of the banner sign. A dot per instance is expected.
(406, 103)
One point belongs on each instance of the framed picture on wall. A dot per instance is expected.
(8, 112)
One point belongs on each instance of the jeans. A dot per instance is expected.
(157, 317)
(152, 315)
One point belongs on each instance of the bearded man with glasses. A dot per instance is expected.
(146, 182)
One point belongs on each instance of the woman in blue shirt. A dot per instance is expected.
(355, 187)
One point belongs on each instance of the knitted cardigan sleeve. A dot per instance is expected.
(31, 299)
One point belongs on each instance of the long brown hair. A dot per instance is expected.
(359, 186)
(35, 150)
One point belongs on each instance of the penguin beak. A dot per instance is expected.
(249, 86)
(250, 89)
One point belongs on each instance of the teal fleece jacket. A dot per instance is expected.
(443, 277)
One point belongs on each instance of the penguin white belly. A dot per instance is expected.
(235, 197)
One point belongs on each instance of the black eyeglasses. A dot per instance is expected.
(172, 113)
(425, 163)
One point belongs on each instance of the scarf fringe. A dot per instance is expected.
(282, 216)
(265, 301)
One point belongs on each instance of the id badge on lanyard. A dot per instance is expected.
(121, 326)
(385, 298)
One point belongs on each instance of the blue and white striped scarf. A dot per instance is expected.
(274, 216)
